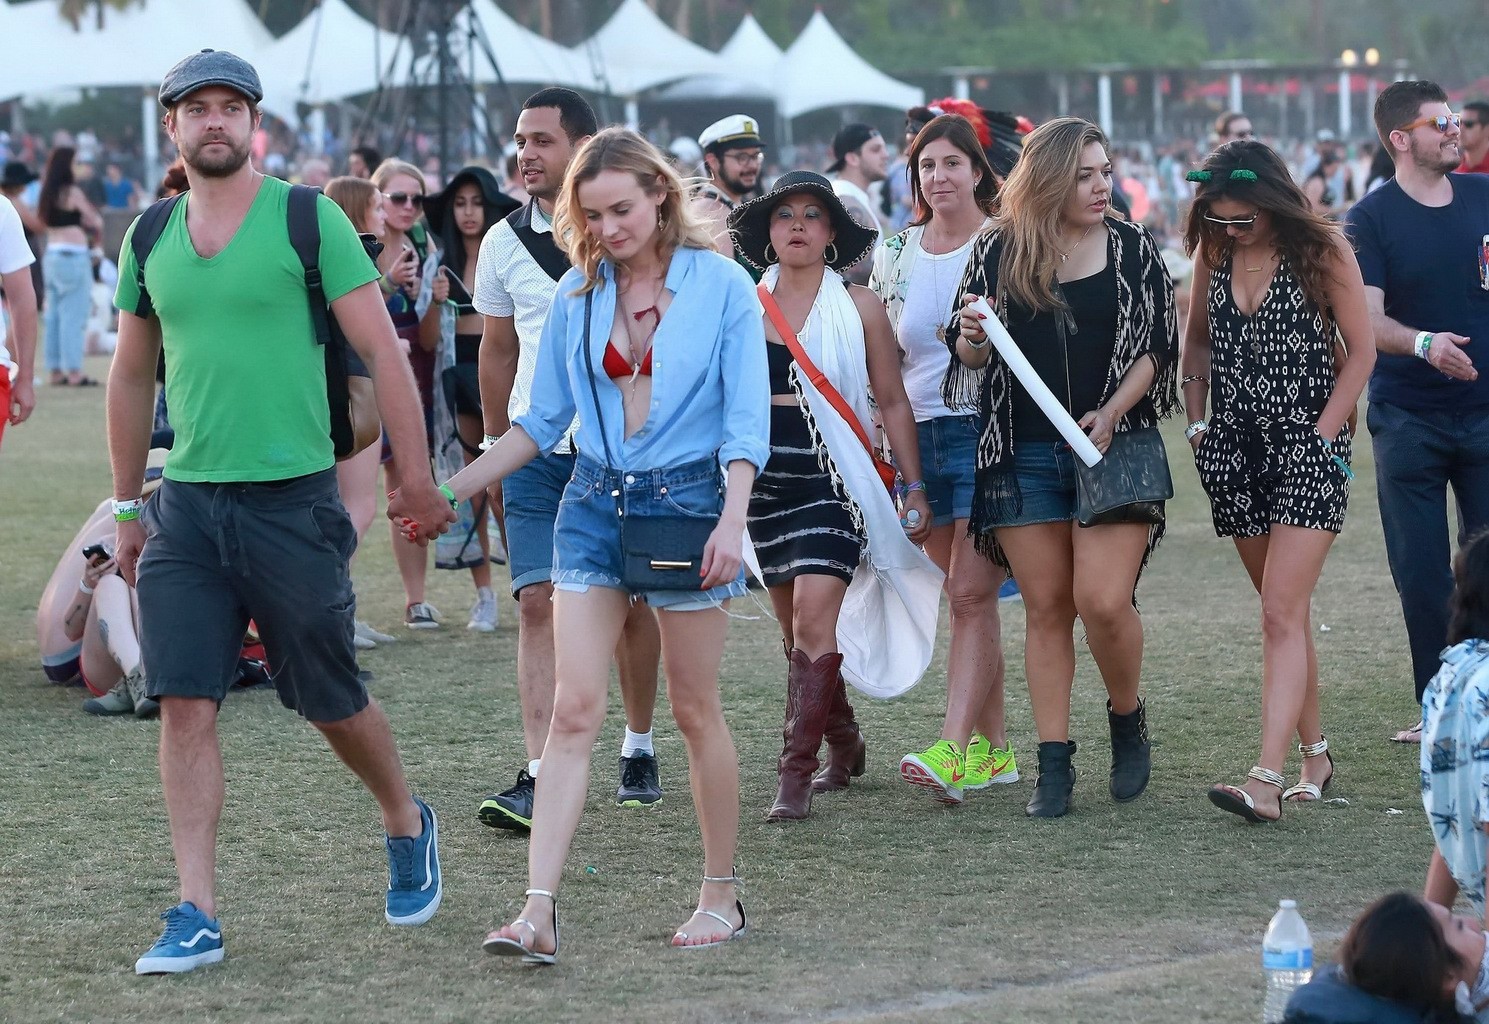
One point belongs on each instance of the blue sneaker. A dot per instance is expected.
(1009, 591)
(190, 939)
(414, 889)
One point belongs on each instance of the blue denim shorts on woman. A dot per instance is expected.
(1046, 478)
(586, 538)
(948, 464)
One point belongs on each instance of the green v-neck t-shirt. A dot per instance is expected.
(245, 378)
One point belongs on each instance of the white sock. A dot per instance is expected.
(636, 743)
(532, 766)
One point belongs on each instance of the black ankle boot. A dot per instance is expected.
(1051, 797)
(1132, 758)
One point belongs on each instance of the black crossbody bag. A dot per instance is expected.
(657, 552)
(1132, 480)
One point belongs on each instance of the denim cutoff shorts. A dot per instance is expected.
(1046, 477)
(948, 464)
(586, 537)
(530, 498)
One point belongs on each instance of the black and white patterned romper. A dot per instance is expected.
(1262, 460)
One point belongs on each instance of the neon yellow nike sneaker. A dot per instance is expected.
(938, 768)
(988, 765)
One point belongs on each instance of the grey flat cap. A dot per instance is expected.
(210, 67)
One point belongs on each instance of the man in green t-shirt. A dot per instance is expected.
(248, 523)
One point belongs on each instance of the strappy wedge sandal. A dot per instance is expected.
(734, 933)
(1237, 801)
(1308, 789)
(500, 945)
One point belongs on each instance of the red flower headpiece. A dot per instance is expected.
(971, 111)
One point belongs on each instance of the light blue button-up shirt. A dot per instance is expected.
(710, 390)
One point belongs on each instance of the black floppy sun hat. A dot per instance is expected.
(750, 222)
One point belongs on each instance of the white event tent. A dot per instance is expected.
(332, 54)
(136, 46)
(522, 55)
(635, 51)
(821, 70)
(751, 57)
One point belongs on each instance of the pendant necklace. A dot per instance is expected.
(1065, 256)
(936, 282)
(655, 311)
(1265, 263)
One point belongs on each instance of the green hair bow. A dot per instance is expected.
(1239, 174)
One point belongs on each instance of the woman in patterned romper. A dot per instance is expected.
(1272, 283)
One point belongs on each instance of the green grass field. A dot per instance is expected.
(883, 907)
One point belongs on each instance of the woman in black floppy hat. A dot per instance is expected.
(831, 547)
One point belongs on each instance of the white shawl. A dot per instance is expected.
(887, 626)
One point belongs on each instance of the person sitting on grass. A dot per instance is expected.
(1403, 961)
(1455, 739)
(87, 618)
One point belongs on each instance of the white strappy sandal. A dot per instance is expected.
(734, 933)
(1308, 789)
(500, 945)
(1235, 800)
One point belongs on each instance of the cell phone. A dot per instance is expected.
(96, 553)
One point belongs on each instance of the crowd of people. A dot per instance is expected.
(857, 389)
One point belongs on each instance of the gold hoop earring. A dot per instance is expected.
(770, 254)
(833, 247)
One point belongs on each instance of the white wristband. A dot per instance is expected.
(84, 587)
(1197, 427)
(1423, 344)
(488, 440)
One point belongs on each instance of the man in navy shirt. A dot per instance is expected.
(1423, 241)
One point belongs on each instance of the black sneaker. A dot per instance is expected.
(639, 783)
(511, 809)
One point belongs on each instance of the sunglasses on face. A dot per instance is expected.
(405, 199)
(1441, 123)
(1244, 223)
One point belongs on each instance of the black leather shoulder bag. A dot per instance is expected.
(1132, 480)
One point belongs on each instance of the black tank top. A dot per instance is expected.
(60, 218)
(778, 361)
(1075, 369)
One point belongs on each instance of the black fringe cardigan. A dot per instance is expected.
(1147, 326)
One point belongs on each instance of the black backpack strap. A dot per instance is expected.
(305, 236)
(539, 245)
(147, 231)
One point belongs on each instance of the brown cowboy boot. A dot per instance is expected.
(846, 751)
(809, 693)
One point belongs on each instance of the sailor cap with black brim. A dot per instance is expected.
(737, 131)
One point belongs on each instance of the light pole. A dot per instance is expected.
(1347, 61)
(1372, 60)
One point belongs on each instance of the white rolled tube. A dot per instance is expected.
(1029, 378)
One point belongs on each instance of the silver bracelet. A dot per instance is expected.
(84, 587)
(986, 341)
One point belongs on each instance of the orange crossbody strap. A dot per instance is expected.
(778, 319)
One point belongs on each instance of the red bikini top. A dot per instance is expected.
(617, 365)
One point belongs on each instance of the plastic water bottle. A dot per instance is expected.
(1287, 959)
